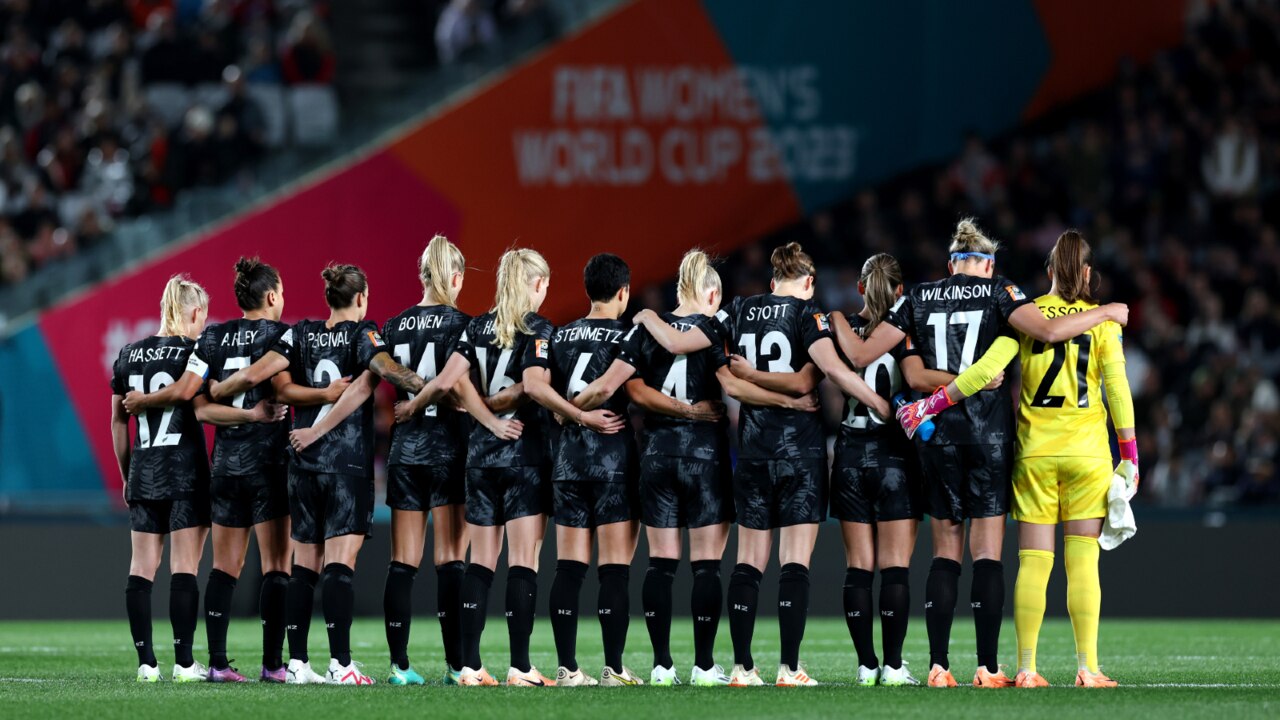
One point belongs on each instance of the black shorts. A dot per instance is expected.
(242, 501)
(496, 496)
(423, 487)
(776, 493)
(677, 492)
(963, 482)
(590, 504)
(161, 517)
(874, 481)
(329, 505)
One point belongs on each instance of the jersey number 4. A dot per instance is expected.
(162, 438)
(1082, 343)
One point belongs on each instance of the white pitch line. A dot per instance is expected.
(24, 680)
(1203, 685)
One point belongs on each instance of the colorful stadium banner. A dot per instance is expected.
(665, 125)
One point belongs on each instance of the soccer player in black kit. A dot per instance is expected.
(685, 471)
(967, 464)
(330, 477)
(781, 477)
(249, 487)
(165, 471)
(594, 474)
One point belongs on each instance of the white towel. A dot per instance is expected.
(1119, 524)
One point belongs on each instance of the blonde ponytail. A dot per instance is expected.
(180, 295)
(970, 240)
(436, 267)
(513, 302)
(696, 277)
(881, 276)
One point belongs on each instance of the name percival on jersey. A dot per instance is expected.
(494, 369)
(422, 339)
(774, 333)
(319, 355)
(581, 352)
(169, 460)
(688, 378)
(952, 322)
(223, 349)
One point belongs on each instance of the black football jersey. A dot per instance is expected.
(169, 460)
(422, 339)
(884, 376)
(319, 355)
(222, 350)
(952, 322)
(493, 369)
(581, 352)
(688, 378)
(774, 333)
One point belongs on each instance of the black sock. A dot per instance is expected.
(895, 604)
(339, 600)
(744, 595)
(218, 590)
(448, 588)
(522, 603)
(986, 597)
(473, 604)
(940, 608)
(705, 605)
(137, 603)
(563, 608)
(793, 611)
(397, 609)
(656, 595)
(857, 614)
(184, 608)
(299, 601)
(272, 601)
(615, 611)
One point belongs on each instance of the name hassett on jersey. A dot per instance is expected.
(952, 322)
(688, 378)
(320, 355)
(580, 353)
(422, 339)
(774, 333)
(225, 348)
(494, 369)
(168, 460)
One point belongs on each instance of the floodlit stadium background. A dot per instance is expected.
(129, 151)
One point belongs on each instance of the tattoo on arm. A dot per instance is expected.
(396, 374)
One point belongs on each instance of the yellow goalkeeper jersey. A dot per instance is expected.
(1061, 413)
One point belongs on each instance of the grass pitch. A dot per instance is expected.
(1168, 669)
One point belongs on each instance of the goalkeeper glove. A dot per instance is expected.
(1128, 467)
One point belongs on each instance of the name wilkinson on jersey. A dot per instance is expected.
(955, 292)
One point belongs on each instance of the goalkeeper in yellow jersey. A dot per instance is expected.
(1062, 471)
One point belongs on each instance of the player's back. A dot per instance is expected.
(690, 379)
(581, 352)
(774, 332)
(226, 348)
(494, 369)
(422, 338)
(168, 461)
(321, 355)
(952, 322)
(884, 376)
(1061, 412)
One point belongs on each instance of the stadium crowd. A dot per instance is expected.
(82, 140)
(1173, 173)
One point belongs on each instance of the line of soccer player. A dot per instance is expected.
(504, 421)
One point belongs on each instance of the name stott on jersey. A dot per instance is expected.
(222, 350)
(422, 339)
(318, 356)
(884, 376)
(952, 322)
(688, 378)
(581, 352)
(774, 334)
(169, 460)
(493, 369)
